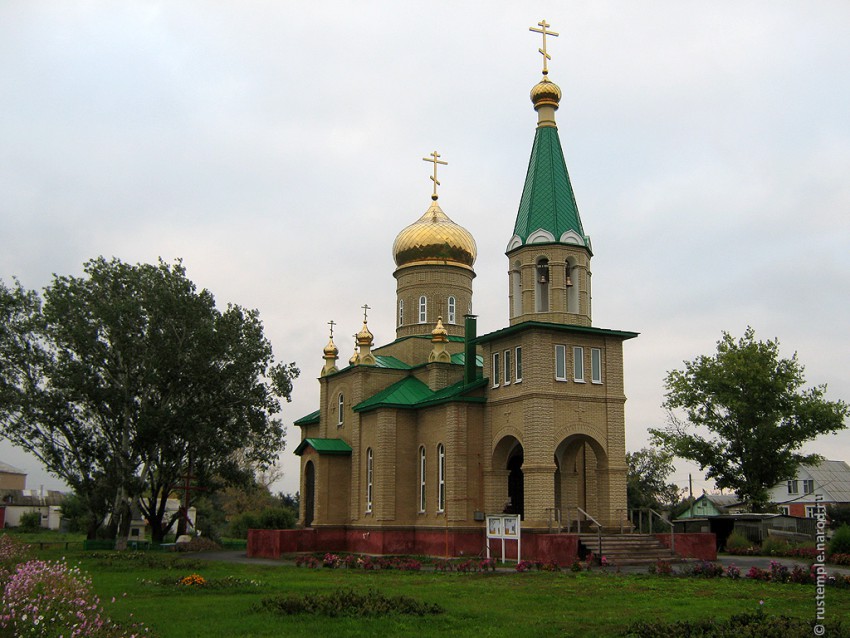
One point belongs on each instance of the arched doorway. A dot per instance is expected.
(581, 482)
(309, 493)
(516, 483)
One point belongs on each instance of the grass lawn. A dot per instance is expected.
(501, 604)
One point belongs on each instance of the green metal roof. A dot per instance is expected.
(385, 361)
(410, 393)
(459, 358)
(561, 327)
(309, 419)
(333, 447)
(548, 202)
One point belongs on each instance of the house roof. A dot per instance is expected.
(723, 500)
(832, 477)
(31, 498)
(8, 469)
(332, 447)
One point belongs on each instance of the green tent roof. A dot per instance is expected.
(308, 419)
(334, 447)
(548, 202)
(410, 393)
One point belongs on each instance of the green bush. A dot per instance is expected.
(30, 522)
(737, 542)
(840, 543)
(347, 602)
(269, 518)
(751, 625)
(774, 547)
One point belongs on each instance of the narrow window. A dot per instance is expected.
(793, 487)
(561, 363)
(340, 409)
(516, 290)
(441, 478)
(808, 486)
(423, 309)
(596, 365)
(452, 309)
(497, 371)
(422, 479)
(368, 480)
(518, 364)
(507, 367)
(578, 364)
(401, 312)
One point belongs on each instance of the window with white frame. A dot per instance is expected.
(808, 486)
(793, 487)
(423, 309)
(595, 365)
(340, 408)
(497, 370)
(518, 363)
(422, 479)
(507, 367)
(578, 364)
(369, 473)
(401, 312)
(441, 478)
(784, 509)
(560, 363)
(452, 309)
(812, 511)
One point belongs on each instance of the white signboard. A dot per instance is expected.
(504, 527)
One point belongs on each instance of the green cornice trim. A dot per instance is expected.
(558, 327)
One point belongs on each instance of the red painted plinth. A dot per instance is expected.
(696, 545)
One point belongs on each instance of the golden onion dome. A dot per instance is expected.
(439, 333)
(435, 237)
(545, 93)
(331, 350)
(365, 336)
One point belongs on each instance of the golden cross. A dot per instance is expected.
(365, 309)
(435, 161)
(543, 26)
(332, 323)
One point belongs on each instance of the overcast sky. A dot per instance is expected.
(276, 148)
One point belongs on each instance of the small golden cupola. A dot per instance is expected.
(330, 353)
(439, 337)
(447, 251)
(365, 339)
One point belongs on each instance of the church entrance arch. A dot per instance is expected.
(581, 482)
(508, 459)
(309, 493)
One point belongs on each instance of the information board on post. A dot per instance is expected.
(504, 527)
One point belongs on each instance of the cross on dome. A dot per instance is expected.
(332, 323)
(433, 159)
(366, 308)
(543, 26)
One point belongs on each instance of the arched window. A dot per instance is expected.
(423, 309)
(441, 478)
(541, 303)
(452, 309)
(516, 290)
(401, 312)
(340, 409)
(422, 479)
(368, 480)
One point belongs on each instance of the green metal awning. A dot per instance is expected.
(332, 447)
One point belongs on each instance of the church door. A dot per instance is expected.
(516, 484)
(309, 493)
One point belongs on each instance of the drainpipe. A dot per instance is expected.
(470, 371)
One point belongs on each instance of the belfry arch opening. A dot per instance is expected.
(541, 288)
(581, 479)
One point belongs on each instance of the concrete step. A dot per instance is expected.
(628, 549)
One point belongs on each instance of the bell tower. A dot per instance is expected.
(549, 254)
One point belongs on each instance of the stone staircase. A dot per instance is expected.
(621, 550)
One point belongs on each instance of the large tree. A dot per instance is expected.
(648, 471)
(121, 380)
(746, 416)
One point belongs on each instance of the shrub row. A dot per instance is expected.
(347, 602)
(749, 625)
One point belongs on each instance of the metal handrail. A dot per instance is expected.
(598, 529)
(672, 529)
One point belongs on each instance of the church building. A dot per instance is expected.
(414, 442)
